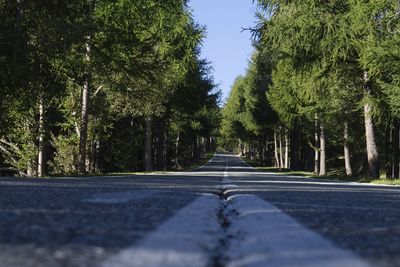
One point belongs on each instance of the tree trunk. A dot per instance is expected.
(83, 134)
(18, 30)
(294, 150)
(177, 165)
(246, 150)
(198, 148)
(160, 145)
(92, 158)
(97, 157)
(148, 147)
(316, 147)
(203, 146)
(372, 149)
(263, 151)
(40, 166)
(195, 149)
(240, 147)
(395, 148)
(322, 166)
(267, 151)
(286, 150)
(31, 167)
(347, 162)
(276, 151)
(281, 163)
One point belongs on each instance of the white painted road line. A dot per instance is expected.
(269, 237)
(226, 167)
(226, 183)
(186, 239)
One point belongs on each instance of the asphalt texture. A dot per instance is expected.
(84, 221)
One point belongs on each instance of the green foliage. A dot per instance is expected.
(319, 63)
(144, 61)
(65, 160)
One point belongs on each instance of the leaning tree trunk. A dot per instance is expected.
(40, 166)
(148, 146)
(347, 162)
(83, 131)
(395, 148)
(322, 166)
(372, 149)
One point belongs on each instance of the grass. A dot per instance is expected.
(189, 167)
(386, 181)
(332, 175)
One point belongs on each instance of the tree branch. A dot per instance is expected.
(8, 154)
(97, 90)
(14, 169)
(13, 146)
(312, 146)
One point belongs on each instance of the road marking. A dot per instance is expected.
(184, 240)
(265, 236)
(226, 167)
(226, 183)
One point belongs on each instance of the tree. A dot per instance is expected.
(79, 99)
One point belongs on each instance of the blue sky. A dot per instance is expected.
(226, 46)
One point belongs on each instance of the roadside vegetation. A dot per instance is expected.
(335, 174)
(102, 86)
(321, 93)
(91, 87)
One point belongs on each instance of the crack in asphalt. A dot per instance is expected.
(226, 215)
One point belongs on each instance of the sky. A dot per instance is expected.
(226, 46)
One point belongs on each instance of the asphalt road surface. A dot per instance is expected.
(222, 214)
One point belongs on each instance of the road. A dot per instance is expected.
(222, 214)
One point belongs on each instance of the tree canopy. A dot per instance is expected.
(93, 86)
(332, 70)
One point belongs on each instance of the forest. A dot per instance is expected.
(322, 90)
(103, 86)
